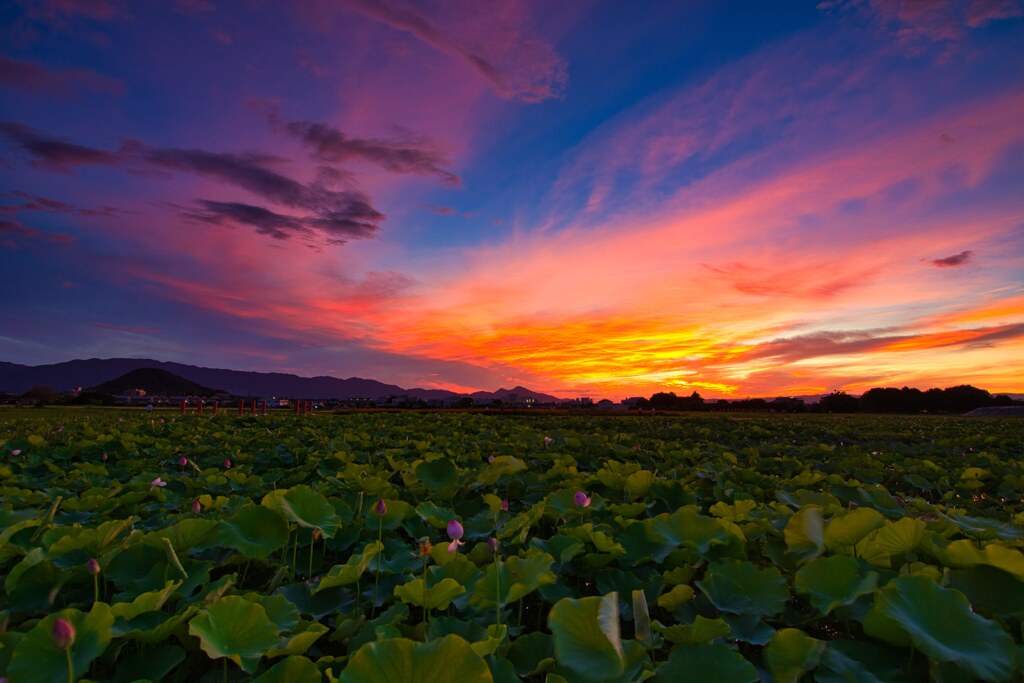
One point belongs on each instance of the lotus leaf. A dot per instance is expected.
(941, 624)
(310, 509)
(805, 533)
(586, 636)
(703, 662)
(399, 660)
(846, 530)
(742, 587)
(237, 629)
(791, 653)
(834, 581)
(438, 596)
(36, 658)
(255, 531)
(292, 669)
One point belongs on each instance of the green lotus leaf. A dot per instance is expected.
(703, 662)
(280, 610)
(36, 658)
(237, 629)
(861, 661)
(344, 574)
(310, 509)
(686, 527)
(96, 541)
(990, 590)
(805, 533)
(586, 636)
(397, 512)
(531, 651)
(399, 660)
(834, 581)
(702, 630)
(847, 530)
(302, 639)
(519, 576)
(255, 531)
(292, 669)
(742, 587)
(434, 515)
(437, 474)
(679, 595)
(501, 466)
(986, 529)
(188, 535)
(791, 653)
(965, 553)
(941, 624)
(563, 548)
(638, 484)
(438, 596)
(496, 635)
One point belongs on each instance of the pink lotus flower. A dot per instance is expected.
(380, 508)
(103, 457)
(63, 633)
(504, 505)
(227, 463)
(548, 441)
(490, 459)
(183, 461)
(492, 543)
(581, 499)
(455, 532)
(197, 507)
(158, 482)
(16, 451)
(93, 565)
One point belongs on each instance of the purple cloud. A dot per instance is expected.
(32, 77)
(53, 154)
(517, 66)
(330, 145)
(360, 221)
(17, 228)
(954, 260)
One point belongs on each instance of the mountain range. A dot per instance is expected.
(92, 372)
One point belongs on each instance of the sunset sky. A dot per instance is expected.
(583, 197)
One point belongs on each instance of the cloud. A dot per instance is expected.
(954, 260)
(918, 22)
(337, 215)
(330, 145)
(338, 227)
(52, 154)
(32, 77)
(100, 10)
(130, 329)
(17, 228)
(517, 66)
(30, 202)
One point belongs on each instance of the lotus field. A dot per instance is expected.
(392, 547)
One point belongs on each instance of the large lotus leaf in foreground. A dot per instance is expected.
(703, 662)
(399, 660)
(586, 636)
(743, 588)
(310, 509)
(235, 628)
(36, 658)
(255, 531)
(942, 625)
(834, 581)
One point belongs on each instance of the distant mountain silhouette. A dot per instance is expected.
(155, 382)
(95, 371)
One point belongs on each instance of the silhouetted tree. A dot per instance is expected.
(839, 402)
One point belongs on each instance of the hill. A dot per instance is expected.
(154, 382)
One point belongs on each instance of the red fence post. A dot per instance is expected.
(201, 406)
(264, 408)
(216, 406)
(241, 406)
(184, 402)
(252, 411)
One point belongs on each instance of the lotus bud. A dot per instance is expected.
(227, 463)
(490, 459)
(103, 457)
(197, 507)
(504, 505)
(183, 461)
(63, 633)
(93, 566)
(581, 499)
(317, 534)
(548, 441)
(380, 508)
(158, 482)
(455, 532)
(492, 543)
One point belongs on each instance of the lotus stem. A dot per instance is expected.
(71, 665)
(376, 578)
(312, 543)
(95, 588)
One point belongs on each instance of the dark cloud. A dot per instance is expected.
(30, 202)
(53, 154)
(954, 260)
(330, 145)
(337, 215)
(35, 78)
(337, 227)
(517, 66)
(10, 227)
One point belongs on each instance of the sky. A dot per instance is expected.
(587, 198)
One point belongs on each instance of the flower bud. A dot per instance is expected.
(63, 633)
(490, 459)
(455, 530)
(492, 543)
(227, 463)
(197, 507)
(581, 499)
(93, 566)
(380, 508)
(504, 505)
(183, 461)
